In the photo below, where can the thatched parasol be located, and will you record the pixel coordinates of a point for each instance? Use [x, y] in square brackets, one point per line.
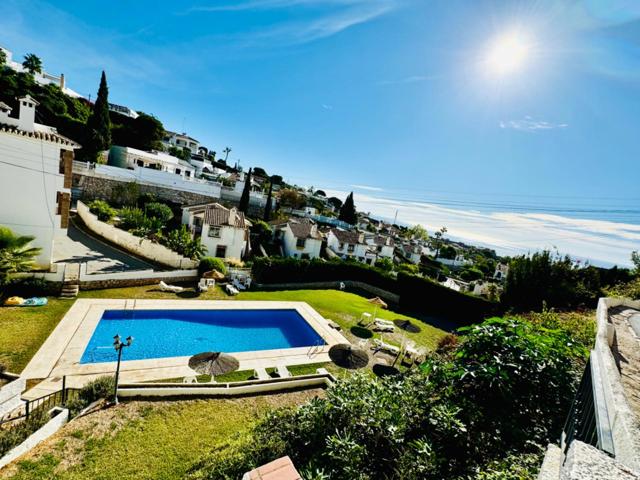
[215, 274]
[346, 356]
[213, 363]
[407, 325]
[378, 302]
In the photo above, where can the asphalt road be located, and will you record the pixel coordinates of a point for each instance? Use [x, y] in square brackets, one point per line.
[80, 247]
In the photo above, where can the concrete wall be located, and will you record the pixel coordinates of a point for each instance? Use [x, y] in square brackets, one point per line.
[142, 247]
[10, 395]
[52, 426]
[29, 182]
[136, 278]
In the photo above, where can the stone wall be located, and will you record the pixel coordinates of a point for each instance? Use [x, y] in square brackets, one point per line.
[90, 284]
[91, 188]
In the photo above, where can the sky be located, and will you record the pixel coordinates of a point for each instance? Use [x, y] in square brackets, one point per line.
[412, 104]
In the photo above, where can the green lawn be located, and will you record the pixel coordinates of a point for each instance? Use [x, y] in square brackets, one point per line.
[144, 440]
[23, 330]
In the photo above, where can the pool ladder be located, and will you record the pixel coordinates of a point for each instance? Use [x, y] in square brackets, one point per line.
[315, 349]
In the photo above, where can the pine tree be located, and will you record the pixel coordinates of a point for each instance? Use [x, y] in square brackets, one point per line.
[99, 124]
[244, 199]
[348, 211]
[267, 207]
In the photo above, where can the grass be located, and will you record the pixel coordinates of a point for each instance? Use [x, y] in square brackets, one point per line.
[24, 329]
[144, 440]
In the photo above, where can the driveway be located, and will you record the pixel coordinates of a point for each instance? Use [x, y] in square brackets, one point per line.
[80, 247]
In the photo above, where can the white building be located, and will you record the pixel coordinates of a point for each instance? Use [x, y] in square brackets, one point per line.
[127, 157]
[300, 238]
[348, 244]
[122, 110]
[502, 270]
[181, 140]
[459, 261]
[223, 231]
[43, 78]
[413, 253]
[35, 178]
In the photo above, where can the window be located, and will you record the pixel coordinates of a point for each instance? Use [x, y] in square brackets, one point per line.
[214, 232]
[300, 242]
[351, 248]
[221, 251]
[178, 171]
[341, 246]
[187, 173]
[140, 163]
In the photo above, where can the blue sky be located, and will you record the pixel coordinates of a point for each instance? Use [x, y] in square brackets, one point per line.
[390, 98]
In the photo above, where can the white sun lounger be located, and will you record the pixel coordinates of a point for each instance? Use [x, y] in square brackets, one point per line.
[383, 326]
[231, 290]
[283, 371]
[238, 285]
[170, 288]
[380, 345]
[261, 374]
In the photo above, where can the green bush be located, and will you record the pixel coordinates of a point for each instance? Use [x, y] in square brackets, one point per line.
[102, 387]
[13, 435]
[102, 210]
[29, 287]
[160, 211]
[471, 274]
[384, 264]
[478, 412]
[211, 263]
[134, 220]
[180, 241]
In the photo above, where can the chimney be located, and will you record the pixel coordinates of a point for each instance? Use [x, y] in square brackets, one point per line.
[26, 120]
[62, 81]
[232, 217]
[361, 238]
[5, 111]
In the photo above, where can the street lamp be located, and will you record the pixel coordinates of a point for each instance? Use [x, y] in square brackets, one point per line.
[118, 344]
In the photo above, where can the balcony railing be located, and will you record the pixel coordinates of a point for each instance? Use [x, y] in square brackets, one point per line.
[588, 419]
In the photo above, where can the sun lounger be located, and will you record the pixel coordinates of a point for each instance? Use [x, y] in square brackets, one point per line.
[383, 326]
[231, 290]
[261, 374]
[190, 380]
[380, 345]
[322, 371]
[333, 324]
[238, 285]
[385, 322]
[170, 288]
[202, 285]
[283, 371]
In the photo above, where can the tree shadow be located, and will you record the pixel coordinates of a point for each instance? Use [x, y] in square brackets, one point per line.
[361, 332]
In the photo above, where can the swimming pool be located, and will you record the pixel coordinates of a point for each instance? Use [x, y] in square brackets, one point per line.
[177, 333]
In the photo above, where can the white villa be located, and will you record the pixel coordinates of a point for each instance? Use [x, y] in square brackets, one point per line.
[413, 253]
[381, 245]
[502, 270]
[459, 261]
[223, 231]
[348, 244]
[35, 178]
[300, 238]
[181, 140]
[127, 157]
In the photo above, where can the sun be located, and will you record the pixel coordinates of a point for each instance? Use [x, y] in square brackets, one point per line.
[508, 54]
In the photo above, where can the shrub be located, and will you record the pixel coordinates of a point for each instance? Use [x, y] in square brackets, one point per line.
[14, 435]
[102, 210]
[29, 287]
[471, 274]
[135, 221]
[102, 387]
[384, 264]
[211, 263]
[160, 211]
[180, 241]
[628, 290]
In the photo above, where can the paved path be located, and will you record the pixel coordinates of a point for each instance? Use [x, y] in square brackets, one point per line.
[80, 247]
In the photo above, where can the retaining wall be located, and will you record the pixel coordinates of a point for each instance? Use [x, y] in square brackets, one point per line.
[60, 418]
[11, 392]
[349, 285]
[139, 246]
[133, 278]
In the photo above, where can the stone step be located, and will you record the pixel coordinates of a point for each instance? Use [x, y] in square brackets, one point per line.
[550, 469]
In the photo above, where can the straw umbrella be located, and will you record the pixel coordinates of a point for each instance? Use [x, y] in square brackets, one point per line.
[378, 302]
[346, 355]
[215, 274]
[213, 363]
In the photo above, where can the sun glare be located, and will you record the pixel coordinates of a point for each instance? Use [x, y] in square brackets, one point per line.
[507, 54]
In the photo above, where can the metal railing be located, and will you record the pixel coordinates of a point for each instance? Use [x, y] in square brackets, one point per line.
[58, 398]
[588, 419]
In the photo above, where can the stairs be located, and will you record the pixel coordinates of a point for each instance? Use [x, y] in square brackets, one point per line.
[71, 281]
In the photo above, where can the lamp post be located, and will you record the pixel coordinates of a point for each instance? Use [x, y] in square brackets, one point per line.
[118, 344]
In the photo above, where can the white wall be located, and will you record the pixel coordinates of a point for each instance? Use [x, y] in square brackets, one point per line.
[311, 246]
[232, 238]
[29, 181]
[333, 243]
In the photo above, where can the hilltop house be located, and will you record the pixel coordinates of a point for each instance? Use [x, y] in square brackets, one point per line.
[35, 178]
[348, 244]
[502, 270]
[223, 231]
[181, 140]
[413, 253]
[127, 157]
[381, 246]
[300, 238]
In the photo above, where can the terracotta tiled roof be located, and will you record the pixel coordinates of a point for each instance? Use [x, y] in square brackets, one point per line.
[219, 216]
[348, 237]
[52, 136]
[382, 240]
[304, 228]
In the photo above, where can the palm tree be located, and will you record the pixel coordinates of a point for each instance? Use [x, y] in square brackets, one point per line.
[226, 152]
[15, 253]
[32, 63]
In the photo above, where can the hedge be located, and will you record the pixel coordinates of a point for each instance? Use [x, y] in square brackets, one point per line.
[417, 294]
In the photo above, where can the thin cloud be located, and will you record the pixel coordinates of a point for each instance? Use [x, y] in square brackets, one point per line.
[528, 124]
[327, 107]
[269, 4]
[368, 187]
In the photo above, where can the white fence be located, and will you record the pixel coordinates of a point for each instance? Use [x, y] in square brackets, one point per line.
[148, 176]
[136, 245]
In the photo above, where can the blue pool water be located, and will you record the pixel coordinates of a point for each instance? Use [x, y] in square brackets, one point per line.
[177, 333]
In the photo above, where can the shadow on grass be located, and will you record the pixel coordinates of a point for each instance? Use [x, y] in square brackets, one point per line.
[384, 370]
[188, 294]
[361, 332]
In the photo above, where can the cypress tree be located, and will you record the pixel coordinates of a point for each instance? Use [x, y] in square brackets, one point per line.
[348, 211]
[99, 124]
[244, 199]
[267, 207]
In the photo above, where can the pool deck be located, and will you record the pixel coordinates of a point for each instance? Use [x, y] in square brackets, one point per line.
[60, 354]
